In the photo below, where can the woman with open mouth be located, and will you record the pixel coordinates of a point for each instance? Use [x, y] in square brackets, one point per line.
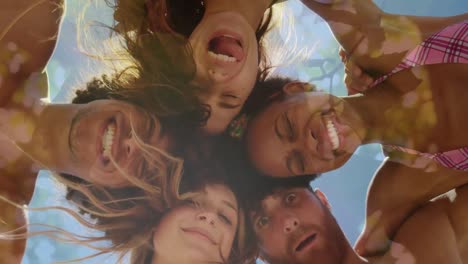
[217, 44]
[105, 146]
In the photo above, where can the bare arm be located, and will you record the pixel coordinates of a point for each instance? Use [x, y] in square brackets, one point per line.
[435, 233]
[28, 31]
[396, 192]
[375, 40]
[426, 237]
[27, 40]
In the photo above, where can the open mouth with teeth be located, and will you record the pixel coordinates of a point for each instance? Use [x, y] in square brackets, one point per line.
[306, 242]
[108, 141]
[226, 48]
[332, 132]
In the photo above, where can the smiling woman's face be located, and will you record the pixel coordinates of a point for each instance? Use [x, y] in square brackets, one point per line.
[103, 142]
[225, 51]
[305, 133]
[199, 231]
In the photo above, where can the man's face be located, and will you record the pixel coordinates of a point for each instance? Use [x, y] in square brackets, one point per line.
[295, 226]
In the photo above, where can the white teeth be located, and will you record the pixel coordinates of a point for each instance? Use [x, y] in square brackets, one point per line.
[107, 140]
[333, 134]
[222, 57]
[229, 36]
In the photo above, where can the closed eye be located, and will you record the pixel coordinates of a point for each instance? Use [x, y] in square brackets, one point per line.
[225, 219]
[230, 101]
[289, 127]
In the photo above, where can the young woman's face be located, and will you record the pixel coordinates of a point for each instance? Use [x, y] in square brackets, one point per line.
[225, 51]
[200, 231]
[305, 133]
[103, 144]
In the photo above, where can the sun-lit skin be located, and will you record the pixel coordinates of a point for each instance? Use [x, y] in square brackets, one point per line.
[73, 143]
[16, 67]
[290, 137]
[90, 141]
[401, 111]
[296, 226]
[227, 84]
[199, 231]
[377, 41]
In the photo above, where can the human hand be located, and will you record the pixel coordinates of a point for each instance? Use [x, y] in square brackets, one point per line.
[356, 80]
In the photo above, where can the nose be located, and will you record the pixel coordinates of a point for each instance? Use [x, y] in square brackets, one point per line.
[309, 144]
[207, 217]
[217, 76]
[128, 146]
[291, 223]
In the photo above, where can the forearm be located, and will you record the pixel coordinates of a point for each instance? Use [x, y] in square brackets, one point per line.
[396, 184]
[375, 40]
[395, 193]
[349, 20]
[11, 251]
[31, 27]
[28, 31]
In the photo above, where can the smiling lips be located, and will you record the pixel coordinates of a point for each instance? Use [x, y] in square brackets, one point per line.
[108, 140]
[332, 133]
[200, 233]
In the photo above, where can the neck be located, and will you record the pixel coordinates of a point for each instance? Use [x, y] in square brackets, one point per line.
[252, 10]
[48, 142]
[368, 113]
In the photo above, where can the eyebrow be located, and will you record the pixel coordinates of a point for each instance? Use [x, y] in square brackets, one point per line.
[277, 132]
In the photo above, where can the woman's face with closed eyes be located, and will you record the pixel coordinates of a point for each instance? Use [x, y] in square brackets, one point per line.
[304, 133]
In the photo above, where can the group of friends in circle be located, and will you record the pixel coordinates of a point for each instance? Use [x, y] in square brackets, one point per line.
[194, 152]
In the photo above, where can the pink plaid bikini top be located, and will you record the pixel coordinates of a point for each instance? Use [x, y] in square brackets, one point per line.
[447, 46]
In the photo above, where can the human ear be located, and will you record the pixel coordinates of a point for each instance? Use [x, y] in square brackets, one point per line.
[298, 87]
[322, 198]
